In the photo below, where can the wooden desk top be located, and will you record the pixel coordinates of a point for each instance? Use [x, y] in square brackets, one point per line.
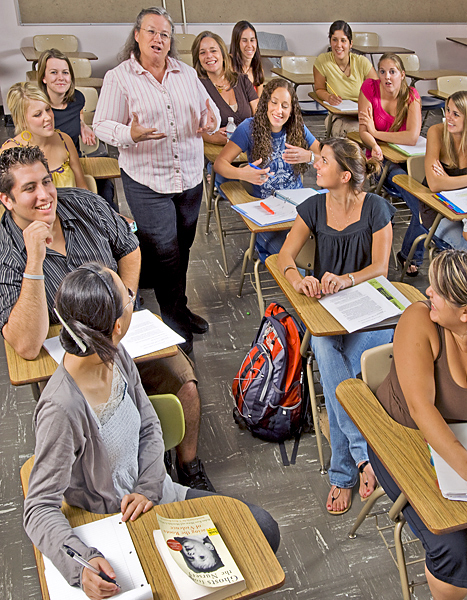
[296, 78]
[212, 151]
[333, 109]
[317, 319]
[237, 194]
[101, 167]
[33, 55]
[433, 74]
[233, 519]
[426, 196]
[23, 371]
[462, 41]
[405, 455]
[438, 94]
[382, 49]
[390, 153]
[271, 53]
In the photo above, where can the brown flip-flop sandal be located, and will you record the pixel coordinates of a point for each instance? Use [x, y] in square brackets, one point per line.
[333, 498]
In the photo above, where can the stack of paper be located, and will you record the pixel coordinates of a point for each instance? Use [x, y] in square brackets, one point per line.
[418, 150]
[451, 484]
[146, 334]
[345, 106]
[111, 537]
[456, 200]
[370, 303]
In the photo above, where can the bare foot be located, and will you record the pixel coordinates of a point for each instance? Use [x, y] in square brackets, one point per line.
[339, 500]
[368, 481]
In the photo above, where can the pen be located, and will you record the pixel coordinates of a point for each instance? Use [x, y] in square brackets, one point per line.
[266, 208]
[254, 167]
[76, 556]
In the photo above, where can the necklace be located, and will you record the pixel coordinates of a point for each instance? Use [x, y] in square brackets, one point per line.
[222, 87]
[349, 216]
[345, 68]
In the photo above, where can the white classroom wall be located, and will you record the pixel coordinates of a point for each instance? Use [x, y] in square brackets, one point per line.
[428, 41]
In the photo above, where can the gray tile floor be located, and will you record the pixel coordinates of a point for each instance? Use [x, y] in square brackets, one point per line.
[319, 560]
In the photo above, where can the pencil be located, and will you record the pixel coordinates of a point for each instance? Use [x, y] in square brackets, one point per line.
[332, 91]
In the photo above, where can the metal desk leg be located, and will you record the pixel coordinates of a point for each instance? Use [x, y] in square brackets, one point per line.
[209, 196]
[246, 257]
[305, 350]
[259, 291]
[217, 214]
[36, 392]
[330, 124]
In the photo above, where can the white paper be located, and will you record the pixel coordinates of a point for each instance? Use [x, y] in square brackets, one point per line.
[283, 211]
[146, 334]
[111, 537]
[345, 106]
[451, 484]
[418, 150]
[457, 197]
[299, 195]
[362, 306]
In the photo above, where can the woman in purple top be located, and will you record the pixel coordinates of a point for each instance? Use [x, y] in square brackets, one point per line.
[390, 111]
[233, 93]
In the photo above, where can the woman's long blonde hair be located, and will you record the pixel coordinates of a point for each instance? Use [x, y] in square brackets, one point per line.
[18, 98]
[452, 155]
[404, 95]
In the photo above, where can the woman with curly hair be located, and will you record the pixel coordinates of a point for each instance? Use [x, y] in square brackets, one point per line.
[246, 57]
[279, 146]
[233, 93]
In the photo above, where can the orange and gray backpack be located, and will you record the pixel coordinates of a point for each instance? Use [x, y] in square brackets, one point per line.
[268, 391]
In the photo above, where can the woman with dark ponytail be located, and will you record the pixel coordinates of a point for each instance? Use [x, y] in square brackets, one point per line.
[353, 233]
[99, 442]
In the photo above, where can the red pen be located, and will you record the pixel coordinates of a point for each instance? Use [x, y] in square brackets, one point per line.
[266, 208]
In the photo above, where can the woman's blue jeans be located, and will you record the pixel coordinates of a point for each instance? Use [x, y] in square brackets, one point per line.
[414, 229]
[338, 359]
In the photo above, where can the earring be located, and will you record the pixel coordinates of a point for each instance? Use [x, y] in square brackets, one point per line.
[26, 136]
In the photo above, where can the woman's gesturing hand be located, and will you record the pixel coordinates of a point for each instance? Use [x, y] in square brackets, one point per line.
[143, 134]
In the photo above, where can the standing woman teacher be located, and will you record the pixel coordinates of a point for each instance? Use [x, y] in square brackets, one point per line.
[155, 110]
[339, 75]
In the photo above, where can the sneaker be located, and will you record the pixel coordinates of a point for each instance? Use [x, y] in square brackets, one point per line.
[194, 476]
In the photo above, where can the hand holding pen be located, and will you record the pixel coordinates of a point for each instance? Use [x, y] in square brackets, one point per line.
[98, 578]
[254, 174]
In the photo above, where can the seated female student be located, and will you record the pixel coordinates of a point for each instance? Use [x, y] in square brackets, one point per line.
[277, 141]
[245, 53]
[353, 233]
[34, 125]
[56, 78]
[446, 167]
[390, 111]
[98, 440]
[426, 389]
[339, 75]
[233, 93]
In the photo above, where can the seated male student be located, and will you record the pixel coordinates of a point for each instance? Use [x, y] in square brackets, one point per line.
[41, 240]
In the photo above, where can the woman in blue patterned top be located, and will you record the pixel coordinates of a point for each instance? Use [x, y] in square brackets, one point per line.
[276, 142]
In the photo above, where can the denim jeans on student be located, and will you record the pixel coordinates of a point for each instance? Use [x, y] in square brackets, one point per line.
[450, 232]
[414, 229]
[166, 230]
[338, 359]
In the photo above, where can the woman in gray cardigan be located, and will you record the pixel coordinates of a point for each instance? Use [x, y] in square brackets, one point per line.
[98, 439]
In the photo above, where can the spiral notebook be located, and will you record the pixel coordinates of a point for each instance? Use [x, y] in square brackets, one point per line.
[111, 537]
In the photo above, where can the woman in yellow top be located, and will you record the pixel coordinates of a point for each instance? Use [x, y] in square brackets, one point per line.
[34, 125]
[339, 75]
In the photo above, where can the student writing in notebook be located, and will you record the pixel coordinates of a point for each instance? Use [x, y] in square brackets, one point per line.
[339, 75]
[99, 442]
[425, 389]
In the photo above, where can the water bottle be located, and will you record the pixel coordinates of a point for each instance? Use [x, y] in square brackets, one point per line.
[231, 127]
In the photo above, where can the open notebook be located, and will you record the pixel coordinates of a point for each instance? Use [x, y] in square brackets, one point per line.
[111, 537]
